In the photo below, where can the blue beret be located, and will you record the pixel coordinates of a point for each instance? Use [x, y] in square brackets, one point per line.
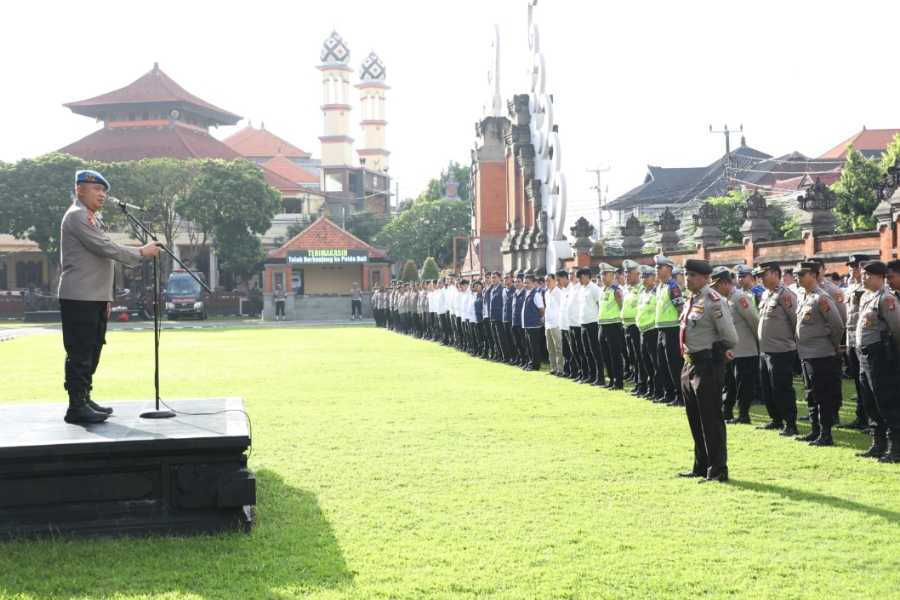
[89, 176]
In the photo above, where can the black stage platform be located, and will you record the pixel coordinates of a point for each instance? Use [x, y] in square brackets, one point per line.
[129, 475]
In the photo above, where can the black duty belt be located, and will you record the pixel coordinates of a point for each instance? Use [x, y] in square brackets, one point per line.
[698, 357]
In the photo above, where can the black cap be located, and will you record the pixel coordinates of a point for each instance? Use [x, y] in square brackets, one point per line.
[766, 266]
[875, 267]
[695, 265]
[810, 266]
[856, 259]
[894, 265]
[721, 274]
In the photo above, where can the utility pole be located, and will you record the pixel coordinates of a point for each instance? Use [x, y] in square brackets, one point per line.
[598, 172]
[727, 133]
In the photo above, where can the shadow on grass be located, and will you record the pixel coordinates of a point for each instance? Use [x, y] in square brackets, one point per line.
[847, 438]
[291, 550]
[891, 516]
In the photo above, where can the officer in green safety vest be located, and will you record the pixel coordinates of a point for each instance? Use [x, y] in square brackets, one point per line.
[669, 300]
[649, 381]
[612, 334]
[631, 293]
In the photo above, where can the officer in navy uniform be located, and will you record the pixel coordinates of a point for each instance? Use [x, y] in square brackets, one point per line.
[495, 308]
[877, 337]
[508, 297]
[706, 334]
[87, 258]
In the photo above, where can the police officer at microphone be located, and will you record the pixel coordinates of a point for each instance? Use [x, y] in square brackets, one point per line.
[87, 258]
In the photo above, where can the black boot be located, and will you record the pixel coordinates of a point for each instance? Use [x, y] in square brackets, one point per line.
[815, 428]
[892, 454]
[824, 438]
[96, 407]
[80, 412]
[879, 444]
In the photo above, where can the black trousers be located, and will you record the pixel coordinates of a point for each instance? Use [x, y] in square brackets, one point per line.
[745, 375]
[593, 357]
[578, 353]
[84, 334]
[536, 346]
[612, 343]
[651, 378]
[566, 335]
[854, 372]
[822, 380]
[633, 351]
[880, 379]
[356, 308]
[670, 363]
[701, 387]
[279, 308]
[776, 374]
[521, 344]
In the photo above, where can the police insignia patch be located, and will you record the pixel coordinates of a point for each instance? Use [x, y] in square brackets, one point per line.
[744, 304]
[823, 305]
[890, 303]
[787, 302]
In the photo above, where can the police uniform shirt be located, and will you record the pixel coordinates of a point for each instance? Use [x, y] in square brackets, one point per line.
[778, 321]
[88, 256]
[819, 325]
[837, 294]
[589, 303]
[706, 320]
[746, 323]
[854, 293]
[878, 313]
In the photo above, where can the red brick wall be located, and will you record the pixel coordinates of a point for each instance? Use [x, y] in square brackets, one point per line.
[490, 199]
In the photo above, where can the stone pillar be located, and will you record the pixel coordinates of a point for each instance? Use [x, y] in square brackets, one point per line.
[633, 236]
[668, 226]
[817, 204]
[756, 225]
[213, 269]
[707, 222]
[884, 216]
[582, 232]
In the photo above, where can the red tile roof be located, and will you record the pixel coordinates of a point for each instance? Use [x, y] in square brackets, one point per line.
[153, 87]
[325, 234]
[112, 144]
[260, 143]
[291, 170]
[866, 141]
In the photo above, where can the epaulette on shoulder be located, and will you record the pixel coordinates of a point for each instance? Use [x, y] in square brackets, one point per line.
[714, 295]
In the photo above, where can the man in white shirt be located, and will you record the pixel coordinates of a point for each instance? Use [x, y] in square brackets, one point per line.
[578, 370]
[553, 299]
[589, 308]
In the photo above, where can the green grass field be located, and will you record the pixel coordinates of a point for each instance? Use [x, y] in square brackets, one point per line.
[394, 468]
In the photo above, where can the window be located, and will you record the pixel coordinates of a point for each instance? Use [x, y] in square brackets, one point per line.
[374, 278]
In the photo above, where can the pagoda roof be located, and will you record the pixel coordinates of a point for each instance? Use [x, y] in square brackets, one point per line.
[154, 87]
[324, 234]
[291, 170]
[261, 143]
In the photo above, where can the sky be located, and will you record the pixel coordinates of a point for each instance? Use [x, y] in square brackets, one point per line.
[634, 83]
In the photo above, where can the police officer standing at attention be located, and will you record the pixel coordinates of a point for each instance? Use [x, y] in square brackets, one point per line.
[630, 300]
[707, 332]
[778, 350]
[854, 293]
[87, 258]
[612, 336]
[877, 336]
[744, 365]
[669, 300]
[819, 333]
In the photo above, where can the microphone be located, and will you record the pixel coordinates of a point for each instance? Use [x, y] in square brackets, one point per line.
[122, 204]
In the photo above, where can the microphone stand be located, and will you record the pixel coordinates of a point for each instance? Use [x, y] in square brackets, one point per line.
[144, 233]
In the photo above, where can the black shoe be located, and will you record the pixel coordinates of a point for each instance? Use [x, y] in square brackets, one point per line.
[721, 476]
[858, 424]
[892, 454]
[692, 473]
[823, 440]
[618, 386]
[728, 417]
[809, 437]
[80, 413]
[788, 431]
[770, 425]
[741, 420]
[96, 407]
[878, 447]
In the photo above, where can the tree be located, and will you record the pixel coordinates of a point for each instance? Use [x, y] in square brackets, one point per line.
[410, 272]
[731, 209]
[430, 269]
[856, 193]
[426, 229]
[365, 225]
[436, 189]
[34, 195]
[891, 154]
[231, 204]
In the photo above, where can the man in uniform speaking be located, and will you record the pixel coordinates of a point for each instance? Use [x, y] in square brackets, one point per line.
[86, 290]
